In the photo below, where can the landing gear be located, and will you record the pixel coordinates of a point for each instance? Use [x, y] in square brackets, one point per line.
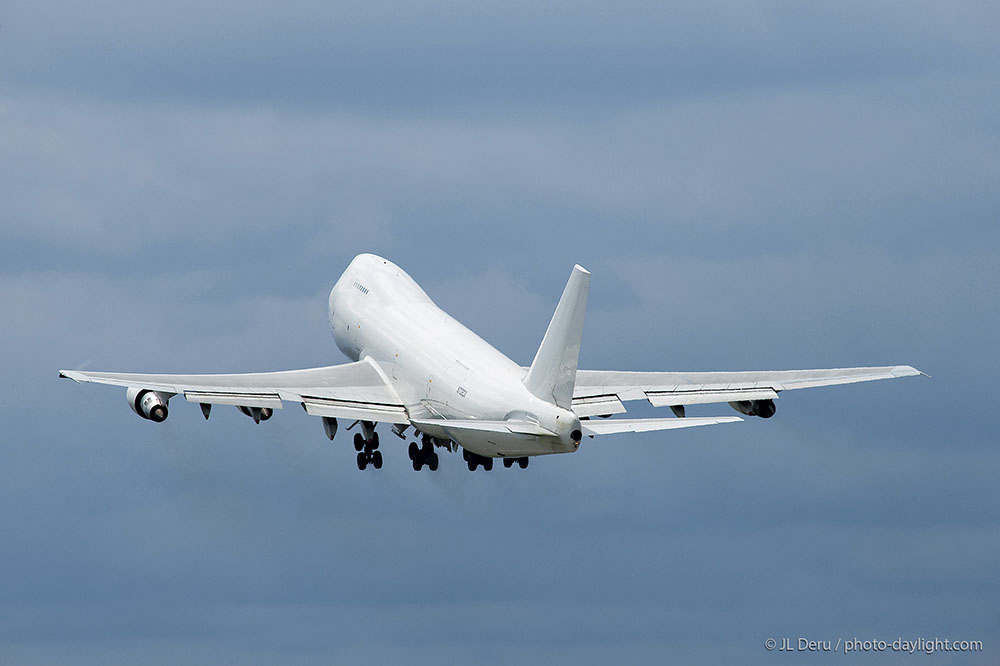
[474, 460]
[367, 457]
[423, 455]
[522, 462]
[366, 444]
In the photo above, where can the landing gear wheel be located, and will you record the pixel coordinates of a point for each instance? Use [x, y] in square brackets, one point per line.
[523, 462]
[359, 441]
[374, 442]
[488, 465]
[417, 464]
[362, 461]
[413, 451]
[473, 465]
[433, 463]
[508, 462]
[377, 460]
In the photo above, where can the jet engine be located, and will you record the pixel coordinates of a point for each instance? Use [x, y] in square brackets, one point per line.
[148, 404]
[258, 414]
[765, 409]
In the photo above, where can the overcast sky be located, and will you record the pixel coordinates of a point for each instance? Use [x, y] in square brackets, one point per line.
[754, 185]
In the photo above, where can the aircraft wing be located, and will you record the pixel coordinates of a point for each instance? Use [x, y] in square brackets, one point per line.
[603, 391]
[351, 391]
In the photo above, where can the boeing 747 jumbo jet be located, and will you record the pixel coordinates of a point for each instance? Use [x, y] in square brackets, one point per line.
[416, 367]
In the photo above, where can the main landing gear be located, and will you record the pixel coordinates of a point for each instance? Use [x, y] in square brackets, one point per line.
[366, 444]
[522, 462]
[423, 455]
[474, 461]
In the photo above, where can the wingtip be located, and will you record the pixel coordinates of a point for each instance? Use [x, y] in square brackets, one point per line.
[580, 268]
[68, 374]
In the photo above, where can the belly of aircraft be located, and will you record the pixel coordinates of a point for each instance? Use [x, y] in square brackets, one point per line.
[496, 444]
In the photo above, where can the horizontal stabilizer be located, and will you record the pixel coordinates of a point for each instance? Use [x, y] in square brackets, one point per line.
[613, 426]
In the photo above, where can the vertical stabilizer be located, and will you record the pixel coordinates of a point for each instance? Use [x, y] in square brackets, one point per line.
[553, 372]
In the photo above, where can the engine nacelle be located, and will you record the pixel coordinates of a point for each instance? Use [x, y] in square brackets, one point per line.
[765, 409]
[258, 414]
[148, 404]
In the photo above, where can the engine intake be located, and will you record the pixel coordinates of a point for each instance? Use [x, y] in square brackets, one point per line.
[765, 409]
[151, 405]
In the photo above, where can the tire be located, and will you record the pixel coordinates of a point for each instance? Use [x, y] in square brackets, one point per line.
[377, 459]
[433, 464]
[418, 465]
[359, 441]
[488, 465]
[374, 440]
[523, 462]
[362, 461]
[472, 465]
[413, 451]
[508, 462]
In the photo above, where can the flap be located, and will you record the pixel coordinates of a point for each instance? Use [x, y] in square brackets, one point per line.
[272, 400]
[694, 397]
[598, 405]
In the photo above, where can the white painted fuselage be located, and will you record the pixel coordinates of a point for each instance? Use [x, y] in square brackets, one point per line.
[439, 368]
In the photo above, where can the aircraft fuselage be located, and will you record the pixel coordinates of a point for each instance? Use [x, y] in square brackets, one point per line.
[438, 367]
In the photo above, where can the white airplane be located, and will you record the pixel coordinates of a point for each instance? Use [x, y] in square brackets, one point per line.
[415, 366]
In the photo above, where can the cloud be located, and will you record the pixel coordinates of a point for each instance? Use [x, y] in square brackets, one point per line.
[393, 59]
[752, 186]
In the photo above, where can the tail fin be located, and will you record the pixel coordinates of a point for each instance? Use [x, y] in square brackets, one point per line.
[552, 375]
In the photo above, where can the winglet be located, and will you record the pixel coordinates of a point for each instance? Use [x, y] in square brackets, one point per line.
[552, 374]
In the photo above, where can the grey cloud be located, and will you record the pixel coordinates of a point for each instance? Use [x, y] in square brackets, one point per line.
[389, 57]
[752, 186]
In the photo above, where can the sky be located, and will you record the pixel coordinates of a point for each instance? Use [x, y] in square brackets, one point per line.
[753, 185]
